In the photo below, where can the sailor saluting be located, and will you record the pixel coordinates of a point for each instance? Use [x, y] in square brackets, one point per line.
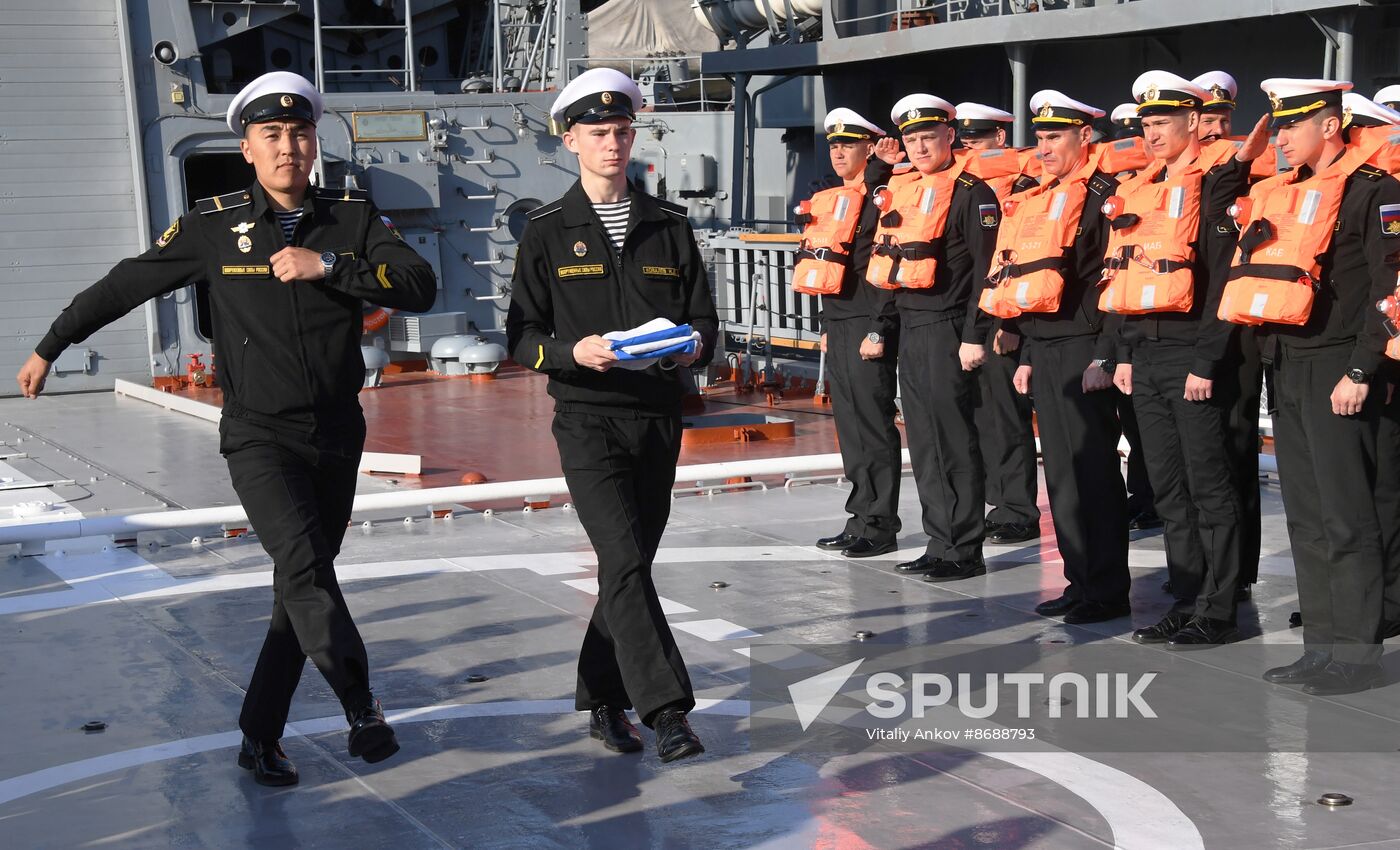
[287, 267]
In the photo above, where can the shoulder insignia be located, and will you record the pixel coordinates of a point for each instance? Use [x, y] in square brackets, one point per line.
[674, 209]
[342, 194]
[218, 203]
[541, 212]
[1370, 172]
[967, 180]
[1100, 185]
[169, 235]
[1390, 219]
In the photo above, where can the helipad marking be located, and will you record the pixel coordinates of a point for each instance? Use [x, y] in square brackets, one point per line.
[1140, 816]
[668, 606]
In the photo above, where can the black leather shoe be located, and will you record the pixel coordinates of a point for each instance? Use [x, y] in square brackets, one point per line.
[1167, 586]
[1341, 678]
[611, 726]
[674, 738]
[921, 564]
[1204, 633]
[1055, 607]
[1096, 612]
[1145, 521]
[864, 547]
[1300, 671]
[1162, 631]
[269, 764]
[840, 541]
[1390, 630]
[370, 737]
[956, 570]
[1014, 532]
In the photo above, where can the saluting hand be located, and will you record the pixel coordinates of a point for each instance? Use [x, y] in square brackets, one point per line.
[594, 352]
[291, 264]
[1256, 142]
[888, 149]
[972, 355]
[32, 375]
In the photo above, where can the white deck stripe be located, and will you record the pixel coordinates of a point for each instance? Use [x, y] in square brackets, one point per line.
[1140, 816]
[668, 606]
[714, 630]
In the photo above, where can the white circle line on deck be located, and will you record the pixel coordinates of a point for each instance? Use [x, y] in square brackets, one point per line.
[1140, 816]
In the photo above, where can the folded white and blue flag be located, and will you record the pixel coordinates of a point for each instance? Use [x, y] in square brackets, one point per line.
[645, 344]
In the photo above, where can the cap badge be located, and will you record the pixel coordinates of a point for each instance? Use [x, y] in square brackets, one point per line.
[245, 244]
[1218, 92]
[1346, 117]
[607, 98]
[839, 128]
[286, 101]
[1047, 111]
[967, 122]
[243, 227]
[1275, 102]
[580, 249]
[1151, 93]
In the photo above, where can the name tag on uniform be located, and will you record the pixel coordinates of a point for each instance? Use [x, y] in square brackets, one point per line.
[591, 270]
[247, 271]
[661, 271]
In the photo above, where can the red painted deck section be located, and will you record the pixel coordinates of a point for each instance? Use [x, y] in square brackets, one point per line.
[501, 428]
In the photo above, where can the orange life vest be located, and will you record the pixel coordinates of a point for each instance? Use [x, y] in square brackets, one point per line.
[1390, 308]
[1037, 227]
[1128, 154]
[829, 223]
[915, 212]
[1286, 225]
[1148, 266]
[1386, 140]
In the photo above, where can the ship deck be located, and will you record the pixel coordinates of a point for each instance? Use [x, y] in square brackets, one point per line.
[473, 623]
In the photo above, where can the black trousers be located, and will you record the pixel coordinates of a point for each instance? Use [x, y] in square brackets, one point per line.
[1388, 501]
[1006, 440]
[620, 470]
[1079, 446]
[862, 399]
[1188, 461]
[1140, 496]
[298, 489]
[1241, 377]
[1328, 468]
[938, 399]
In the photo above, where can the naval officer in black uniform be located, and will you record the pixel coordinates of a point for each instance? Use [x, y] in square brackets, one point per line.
[860, 336]
[605, 258]
[288, 268]
[1329, 427]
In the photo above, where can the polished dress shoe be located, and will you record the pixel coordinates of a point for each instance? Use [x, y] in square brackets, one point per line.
[1014, 532]
[839, 542]
[921, 564]
[1300, 671]
[370, 737]
[1055, 607]
[1169, 625]
[674, 738]
[956, 570]
[611, 726]
[1204, 633]
[269, 764]
[864, 547]
[1145, 521]
[1096, 612]
[1338, 677]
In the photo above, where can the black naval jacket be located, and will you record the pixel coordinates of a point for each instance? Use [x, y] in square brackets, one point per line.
[964, 257]
[1200, 327]
[1358, 270]
[283, 350]
[1079, 313]
[858, 299]
[570, 283]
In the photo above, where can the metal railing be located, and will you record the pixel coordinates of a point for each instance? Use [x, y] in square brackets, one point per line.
[685, 89]
[907, 14]
[751, 279]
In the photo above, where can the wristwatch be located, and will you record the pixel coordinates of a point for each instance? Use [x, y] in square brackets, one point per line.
[1105, 364]
[874, 338]
[328, 262]
[1358, 376]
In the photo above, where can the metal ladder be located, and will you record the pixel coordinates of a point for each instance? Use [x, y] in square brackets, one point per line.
[526, 43]
[409, 57]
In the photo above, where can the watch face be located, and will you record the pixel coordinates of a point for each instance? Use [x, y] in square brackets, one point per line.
[328, 258]
[873, 337]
